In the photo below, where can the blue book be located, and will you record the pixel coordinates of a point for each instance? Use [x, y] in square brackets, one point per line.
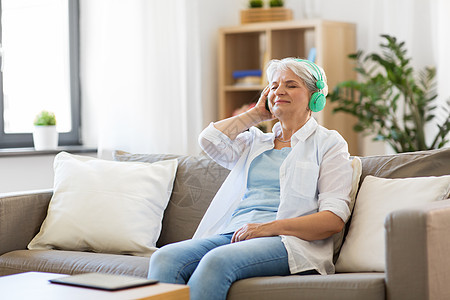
[245, 73]
[312, 54]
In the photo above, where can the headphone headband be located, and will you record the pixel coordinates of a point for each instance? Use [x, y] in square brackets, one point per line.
[319, 83]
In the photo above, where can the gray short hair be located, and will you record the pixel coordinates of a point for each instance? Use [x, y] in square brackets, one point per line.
[300, 68]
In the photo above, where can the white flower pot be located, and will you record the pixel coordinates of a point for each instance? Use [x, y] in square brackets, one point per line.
[45, 137]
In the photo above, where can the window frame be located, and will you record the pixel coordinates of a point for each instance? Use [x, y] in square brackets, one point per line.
[22, 140]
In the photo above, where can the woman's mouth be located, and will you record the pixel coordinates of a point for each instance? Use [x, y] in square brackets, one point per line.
[280, 101]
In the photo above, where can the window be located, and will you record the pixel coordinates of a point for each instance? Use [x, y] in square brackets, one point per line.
[39, 69]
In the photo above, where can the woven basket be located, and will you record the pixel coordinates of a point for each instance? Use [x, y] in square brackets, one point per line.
[253, 15]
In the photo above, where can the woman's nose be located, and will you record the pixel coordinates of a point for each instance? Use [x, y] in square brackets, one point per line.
[279, 90]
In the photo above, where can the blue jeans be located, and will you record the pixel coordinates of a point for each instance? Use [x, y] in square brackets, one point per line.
[209, 266]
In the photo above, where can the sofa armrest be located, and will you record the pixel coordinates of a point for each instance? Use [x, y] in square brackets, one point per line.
[417, 252]
[21, 216]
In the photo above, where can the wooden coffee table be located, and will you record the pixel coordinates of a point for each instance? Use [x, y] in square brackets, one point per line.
[35, 285]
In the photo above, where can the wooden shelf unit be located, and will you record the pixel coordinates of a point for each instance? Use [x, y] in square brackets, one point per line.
[251, 46]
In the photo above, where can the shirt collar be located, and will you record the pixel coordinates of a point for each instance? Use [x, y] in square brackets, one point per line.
[300, 135]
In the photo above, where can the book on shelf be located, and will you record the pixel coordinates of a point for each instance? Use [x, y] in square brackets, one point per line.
[247, 77]
[244, 73]
[248, 80]
[312, 54]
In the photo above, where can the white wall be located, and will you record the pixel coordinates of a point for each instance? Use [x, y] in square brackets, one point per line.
[213, 16]
[20, 173]
[28, 172]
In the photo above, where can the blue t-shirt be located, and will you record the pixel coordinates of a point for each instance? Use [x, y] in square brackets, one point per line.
[262, 197]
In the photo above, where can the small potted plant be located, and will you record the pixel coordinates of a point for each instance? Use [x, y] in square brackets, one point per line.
[256, 3]
[45, 136]
[256, 12]
[276, 3]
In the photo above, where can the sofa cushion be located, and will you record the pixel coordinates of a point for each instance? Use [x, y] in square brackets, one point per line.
[367, 286]
[405, 165]
[364, 247]
[106, 206]
[197, 180]
[72, 262]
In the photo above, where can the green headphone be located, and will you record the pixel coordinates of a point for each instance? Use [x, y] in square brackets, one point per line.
[318, 99]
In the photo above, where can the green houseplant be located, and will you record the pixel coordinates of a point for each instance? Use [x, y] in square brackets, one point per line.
[392, 101]
[45, 136]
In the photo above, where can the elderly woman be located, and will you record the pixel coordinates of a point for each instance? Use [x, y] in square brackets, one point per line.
[286, 195]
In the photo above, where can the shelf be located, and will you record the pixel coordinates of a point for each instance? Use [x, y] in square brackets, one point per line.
[251, 46]
[240, 88]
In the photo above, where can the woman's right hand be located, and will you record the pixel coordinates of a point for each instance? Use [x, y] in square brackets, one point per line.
[233, 126]
[260, 106]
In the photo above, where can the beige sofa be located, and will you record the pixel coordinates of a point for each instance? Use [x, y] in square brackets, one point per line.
[417, 250]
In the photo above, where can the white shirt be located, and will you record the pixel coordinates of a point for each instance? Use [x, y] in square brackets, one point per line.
[315, 176]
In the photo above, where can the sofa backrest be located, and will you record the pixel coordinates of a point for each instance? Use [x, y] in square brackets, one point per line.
[198, 178]
[410, 164]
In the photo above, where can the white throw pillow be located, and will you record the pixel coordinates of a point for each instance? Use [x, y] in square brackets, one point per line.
[356, 176]
[106, 206]
[364, 247]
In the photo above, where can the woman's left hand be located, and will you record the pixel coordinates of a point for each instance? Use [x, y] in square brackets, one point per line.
[251, 231]
[316, 226]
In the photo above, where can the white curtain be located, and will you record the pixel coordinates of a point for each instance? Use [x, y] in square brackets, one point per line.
[142, 75]
[441, 46]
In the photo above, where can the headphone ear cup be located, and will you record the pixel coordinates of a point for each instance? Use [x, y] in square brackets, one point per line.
[317, 102]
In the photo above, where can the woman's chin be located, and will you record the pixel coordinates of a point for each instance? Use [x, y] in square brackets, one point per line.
[279, 111]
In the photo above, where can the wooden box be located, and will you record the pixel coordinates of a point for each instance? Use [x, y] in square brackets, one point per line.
[253, 15]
